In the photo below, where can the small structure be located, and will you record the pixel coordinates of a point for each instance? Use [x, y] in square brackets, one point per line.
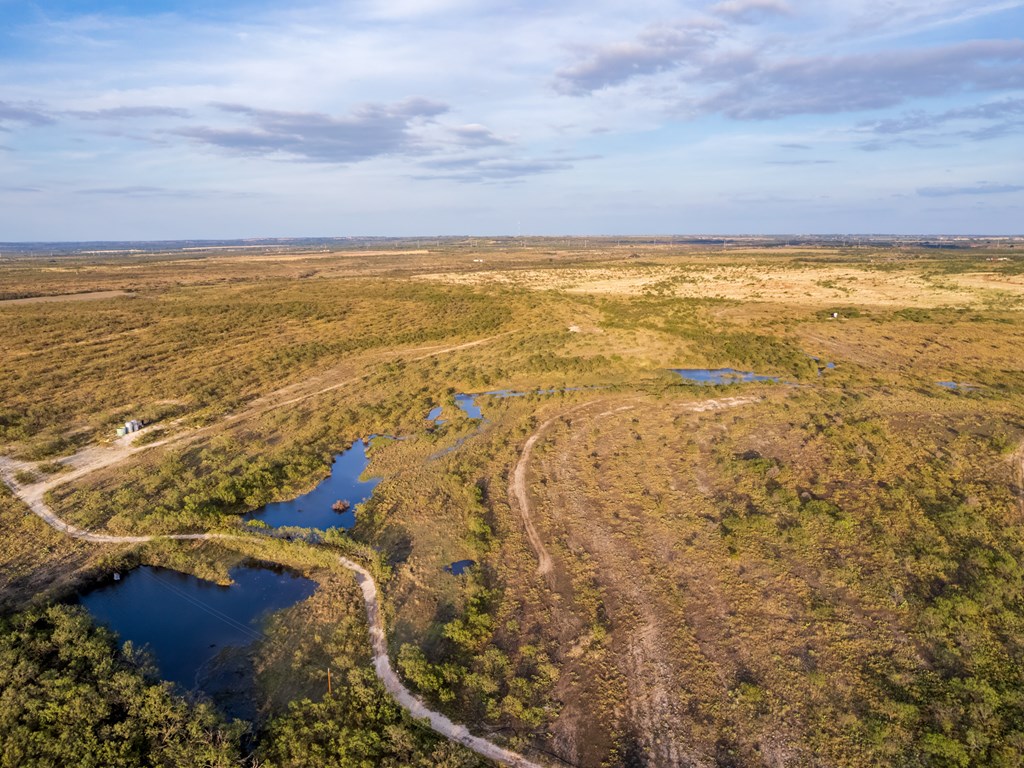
[130, 426]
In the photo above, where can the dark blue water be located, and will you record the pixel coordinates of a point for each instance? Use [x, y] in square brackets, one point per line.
[435, 415]
[720, 375]
[186, 621]
[314, 509]
[459, 567]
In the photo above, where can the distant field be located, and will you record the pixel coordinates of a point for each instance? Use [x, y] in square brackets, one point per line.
[809, 284]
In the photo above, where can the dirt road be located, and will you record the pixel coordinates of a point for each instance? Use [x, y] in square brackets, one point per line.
[33, 497]
[649, 646]
[88, 296]
[401, 694]
[96, 457]
[100, 456]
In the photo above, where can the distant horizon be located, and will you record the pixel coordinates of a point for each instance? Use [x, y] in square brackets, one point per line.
[260, 241]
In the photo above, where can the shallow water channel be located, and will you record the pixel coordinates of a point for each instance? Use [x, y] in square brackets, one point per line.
[721, 375]
[190, 624]
[467, 402]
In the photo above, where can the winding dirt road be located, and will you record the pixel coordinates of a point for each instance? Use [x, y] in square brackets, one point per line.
[401, 694]
[32, 495]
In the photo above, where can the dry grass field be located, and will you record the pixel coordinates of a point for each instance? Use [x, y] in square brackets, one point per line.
[822, 570]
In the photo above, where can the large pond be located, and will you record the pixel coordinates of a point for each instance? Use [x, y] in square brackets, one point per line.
[721, 375]
[316, 509]
[189, 623]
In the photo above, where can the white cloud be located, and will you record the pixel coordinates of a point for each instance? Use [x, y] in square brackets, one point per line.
[545, 95]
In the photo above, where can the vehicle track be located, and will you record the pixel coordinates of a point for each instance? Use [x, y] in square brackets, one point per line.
[1018, 472]
[517, 489]
[654, 696]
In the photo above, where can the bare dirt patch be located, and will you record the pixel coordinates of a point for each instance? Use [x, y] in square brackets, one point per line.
[818, 286]
[88, 296]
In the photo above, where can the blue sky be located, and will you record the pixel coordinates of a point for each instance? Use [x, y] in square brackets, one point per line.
[188, 119]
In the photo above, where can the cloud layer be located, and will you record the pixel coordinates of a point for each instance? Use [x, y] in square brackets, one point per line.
[701, 115]
[371, 130]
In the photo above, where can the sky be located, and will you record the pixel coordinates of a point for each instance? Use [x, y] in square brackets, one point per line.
[172, 119]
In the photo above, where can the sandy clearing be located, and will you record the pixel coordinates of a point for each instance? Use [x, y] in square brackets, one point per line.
[819, 286]
[88, 296]
[1013, 284]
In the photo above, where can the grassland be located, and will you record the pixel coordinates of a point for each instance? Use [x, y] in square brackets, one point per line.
[827, 572]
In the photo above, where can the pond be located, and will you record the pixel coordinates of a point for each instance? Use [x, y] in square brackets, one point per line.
[721, 375]
[459, 567]
[467, 404]
[316, 508]
[190, 624]
[959, 386]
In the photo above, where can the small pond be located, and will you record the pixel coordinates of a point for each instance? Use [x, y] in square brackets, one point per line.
[435, 415]
[959, 386]
[459, 567]
[467, 404]
[188, 622]
[316, 508]
[721, 375]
